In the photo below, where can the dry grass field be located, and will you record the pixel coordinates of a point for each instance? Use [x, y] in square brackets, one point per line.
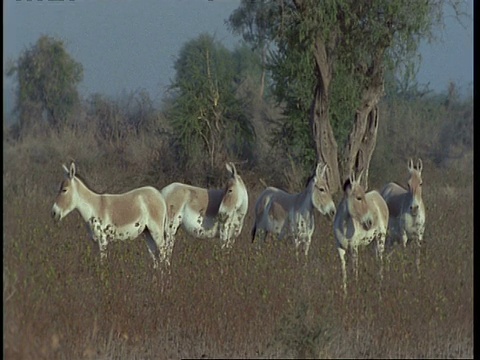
[256, 301]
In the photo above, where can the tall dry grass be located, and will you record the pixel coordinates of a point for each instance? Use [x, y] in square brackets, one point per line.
[256, 301]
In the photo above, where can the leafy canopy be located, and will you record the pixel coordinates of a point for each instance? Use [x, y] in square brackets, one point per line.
[207, 118]
[360, 38]
[47, 77]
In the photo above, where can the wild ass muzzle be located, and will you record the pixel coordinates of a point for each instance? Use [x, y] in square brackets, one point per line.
[361, 218]
[407, 211]
[111, 217]
[292, 215]
[207, 213]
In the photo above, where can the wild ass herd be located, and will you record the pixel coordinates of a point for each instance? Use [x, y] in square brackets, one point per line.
[360, 219]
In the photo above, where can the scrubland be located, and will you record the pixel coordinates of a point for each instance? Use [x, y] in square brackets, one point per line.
[256, 301]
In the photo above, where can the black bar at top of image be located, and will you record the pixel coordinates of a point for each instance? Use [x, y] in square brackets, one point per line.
[46, 0]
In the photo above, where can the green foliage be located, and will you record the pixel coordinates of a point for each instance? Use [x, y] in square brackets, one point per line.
[207, 118]
[345, 99]
[47, 79]
[247, 64]
[294, 83]
[293, 72]
[361, 41]
[253, 20]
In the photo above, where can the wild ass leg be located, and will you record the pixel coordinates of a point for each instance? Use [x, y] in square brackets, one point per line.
[297, 246]
[170, 238]
[169, 243]
[354, 252]
[152, 248]
[400, 230]
[261, 234]
[297, 235]
[404, 239]
[231, 231]
[307, 243]
[102, 245]
[234, 234]
[308, 238]
[234, 230]
[157, 249]
[225, 229]
[172, 224]
[419, 240]
[224, 233]
[341, 253]
[417, 257]
[264, 236]
[380, 248]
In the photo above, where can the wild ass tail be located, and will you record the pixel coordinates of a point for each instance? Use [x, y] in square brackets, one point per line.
[254, 232]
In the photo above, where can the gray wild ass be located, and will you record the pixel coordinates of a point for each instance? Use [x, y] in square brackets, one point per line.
[112, 217]
[407, 211]
[207, 213]
[361, 218]
[283, 214]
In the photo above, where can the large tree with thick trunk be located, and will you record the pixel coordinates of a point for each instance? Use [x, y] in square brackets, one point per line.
[338, 52]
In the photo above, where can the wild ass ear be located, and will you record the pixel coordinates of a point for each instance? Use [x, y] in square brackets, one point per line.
[351, 177]
[231, 167]
[65, 168]
[419, 165]
[410, 164]
[359, 178]
[72, 170]
[321, 170]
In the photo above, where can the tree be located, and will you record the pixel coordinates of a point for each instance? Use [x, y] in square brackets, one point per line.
[248, 69]
[207, 118]
[253, 21]
[47, 80]
[342, 49]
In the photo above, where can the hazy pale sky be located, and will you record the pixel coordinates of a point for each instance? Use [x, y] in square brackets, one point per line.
[132, 45]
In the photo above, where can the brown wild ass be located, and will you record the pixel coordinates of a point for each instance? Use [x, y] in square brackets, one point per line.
[361, 218]
[112, 217]
[278, 212]
[407, 211]
[207, 213]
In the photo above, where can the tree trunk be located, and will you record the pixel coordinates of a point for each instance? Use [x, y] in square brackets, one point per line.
[363, 137]
[325, 143]
[361, 143]
[322, 132]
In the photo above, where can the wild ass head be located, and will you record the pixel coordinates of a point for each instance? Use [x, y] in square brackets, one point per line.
[65, 201]
[356, 201]
[415, 186]
[235, 193]
[321, 196]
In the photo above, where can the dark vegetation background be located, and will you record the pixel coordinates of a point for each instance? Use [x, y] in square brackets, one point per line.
[256, 301]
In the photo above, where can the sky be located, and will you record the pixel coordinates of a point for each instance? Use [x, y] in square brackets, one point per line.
[127, 46]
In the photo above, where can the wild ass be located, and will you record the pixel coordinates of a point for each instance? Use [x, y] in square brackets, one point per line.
[407, 212]
[278, 212]
[112, 217]
[207, 213]
[361, 218]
